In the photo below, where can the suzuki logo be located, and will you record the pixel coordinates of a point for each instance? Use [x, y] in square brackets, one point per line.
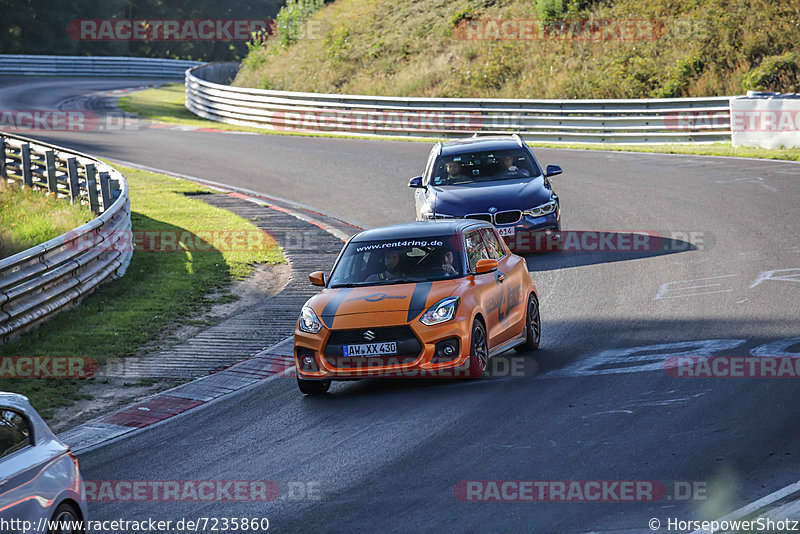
[492, 210]
[369, 335]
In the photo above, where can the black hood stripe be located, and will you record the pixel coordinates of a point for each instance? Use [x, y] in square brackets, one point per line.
[329, 311]
[418, 300]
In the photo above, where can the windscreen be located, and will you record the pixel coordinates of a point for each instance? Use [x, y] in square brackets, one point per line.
[475, 167]
[366, 263]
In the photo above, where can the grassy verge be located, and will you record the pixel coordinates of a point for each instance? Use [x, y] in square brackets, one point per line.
[159, 289]
[714, 149]
[29, 218]
[166, 104]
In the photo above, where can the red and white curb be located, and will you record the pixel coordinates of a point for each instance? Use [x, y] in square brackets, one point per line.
[275, 361]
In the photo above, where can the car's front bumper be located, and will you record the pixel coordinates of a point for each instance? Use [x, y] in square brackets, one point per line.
[427, 363]
[535, 234]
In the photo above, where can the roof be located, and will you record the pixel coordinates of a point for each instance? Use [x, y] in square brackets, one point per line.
[471, 144]
[418, 229]
[14, 400]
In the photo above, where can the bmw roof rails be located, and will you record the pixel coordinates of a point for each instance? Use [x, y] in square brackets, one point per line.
[519, 139]
[438, 148]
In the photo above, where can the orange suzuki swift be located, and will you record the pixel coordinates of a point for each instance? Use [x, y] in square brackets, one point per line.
[430, 298]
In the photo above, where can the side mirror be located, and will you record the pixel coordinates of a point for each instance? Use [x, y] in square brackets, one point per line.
[552, 170]
[415, 182]
[485, 266]
[317, 278]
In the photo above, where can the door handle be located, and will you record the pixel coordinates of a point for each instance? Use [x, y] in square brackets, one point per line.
[500, 276]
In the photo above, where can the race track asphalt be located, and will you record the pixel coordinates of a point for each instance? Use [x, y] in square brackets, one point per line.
[594, 403]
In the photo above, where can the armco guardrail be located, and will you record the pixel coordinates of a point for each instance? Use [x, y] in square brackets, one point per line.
[42, 281]
[669, 120]
[138, 67]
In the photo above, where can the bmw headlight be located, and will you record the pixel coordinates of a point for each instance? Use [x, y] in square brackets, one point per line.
[544, 209]
[309, 322]
[441, 312]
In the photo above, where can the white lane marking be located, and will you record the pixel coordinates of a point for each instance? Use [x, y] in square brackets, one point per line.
[649, 357]
[756, 180]
[629, 412]
[777, 348]
[769, 275]
[754, 506]
[666, 402]
[665, 288]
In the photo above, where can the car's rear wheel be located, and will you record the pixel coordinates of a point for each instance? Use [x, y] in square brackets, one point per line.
[313, 387]
[479, 350]
[65, 520]
[533, 326]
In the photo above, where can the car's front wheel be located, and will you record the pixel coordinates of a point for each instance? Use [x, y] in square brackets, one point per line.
[313, 387]
[65, 520]
[533, 326]
[479, 350]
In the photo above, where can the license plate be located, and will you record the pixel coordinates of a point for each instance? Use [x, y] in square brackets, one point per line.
[370, 349]
[508, 231]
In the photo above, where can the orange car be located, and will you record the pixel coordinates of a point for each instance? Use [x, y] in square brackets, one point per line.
[431, 298]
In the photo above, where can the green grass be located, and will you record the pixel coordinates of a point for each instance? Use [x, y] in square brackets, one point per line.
[166, 104]
[159, 288]
[29, 218]
[713, 149]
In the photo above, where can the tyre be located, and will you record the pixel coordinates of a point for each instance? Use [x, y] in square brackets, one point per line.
[313, 387]
[479, 350]
[65, 518]
[533, 326]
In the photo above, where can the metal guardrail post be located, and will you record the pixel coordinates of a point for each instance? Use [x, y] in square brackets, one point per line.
[73, 176]
[3, 171]
[91, 187]
[27, 173]
[52, 177]
[105, 190]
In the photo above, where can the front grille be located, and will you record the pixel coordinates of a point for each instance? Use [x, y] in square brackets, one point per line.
[408, 347]
[385, 334]
[480, 216]
[507, 217]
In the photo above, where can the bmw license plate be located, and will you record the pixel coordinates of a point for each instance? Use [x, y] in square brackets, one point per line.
[506, 232]
[370, 349]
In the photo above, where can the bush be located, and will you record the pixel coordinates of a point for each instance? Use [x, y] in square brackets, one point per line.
[292, 18]
[776, 73]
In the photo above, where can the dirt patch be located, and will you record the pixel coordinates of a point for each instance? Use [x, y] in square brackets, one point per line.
[106, 394]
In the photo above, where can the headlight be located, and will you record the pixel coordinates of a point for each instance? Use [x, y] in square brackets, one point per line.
[309, 322]
[544, 209]
[441, 312]
[438, 215]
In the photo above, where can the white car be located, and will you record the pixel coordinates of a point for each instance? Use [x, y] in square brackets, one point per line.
[39, 477]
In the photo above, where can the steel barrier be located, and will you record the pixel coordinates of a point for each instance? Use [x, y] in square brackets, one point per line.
[110, 66]
[40, 282]
[667, 120]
